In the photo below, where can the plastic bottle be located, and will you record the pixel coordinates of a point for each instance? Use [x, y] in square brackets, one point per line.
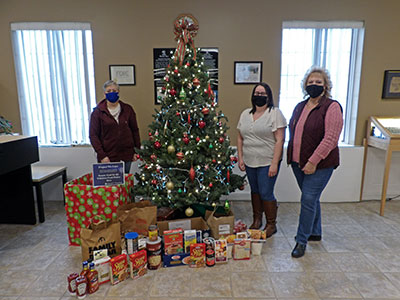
[93, 279]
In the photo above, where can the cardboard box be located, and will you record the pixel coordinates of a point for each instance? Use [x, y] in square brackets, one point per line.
[174, 260]
[197, 223]
[83, 201]
[221, 226]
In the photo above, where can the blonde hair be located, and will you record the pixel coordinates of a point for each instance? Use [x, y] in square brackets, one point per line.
[325, 75]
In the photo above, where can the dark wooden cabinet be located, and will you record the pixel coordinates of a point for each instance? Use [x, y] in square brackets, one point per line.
[17, 203]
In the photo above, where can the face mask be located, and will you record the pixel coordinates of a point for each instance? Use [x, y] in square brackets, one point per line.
[314, 90]
[112, 97]
[260, 100]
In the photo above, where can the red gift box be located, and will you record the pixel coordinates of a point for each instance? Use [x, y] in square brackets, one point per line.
[83, 202]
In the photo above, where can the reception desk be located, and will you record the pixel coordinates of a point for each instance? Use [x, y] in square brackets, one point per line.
[17, 203]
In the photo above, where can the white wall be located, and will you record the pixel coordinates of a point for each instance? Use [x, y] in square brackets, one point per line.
[344, 185]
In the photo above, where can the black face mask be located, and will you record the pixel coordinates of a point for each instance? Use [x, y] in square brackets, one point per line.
[260, 100]
[314, 90]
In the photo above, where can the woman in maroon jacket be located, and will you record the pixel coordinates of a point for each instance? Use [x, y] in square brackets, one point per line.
[113, 131]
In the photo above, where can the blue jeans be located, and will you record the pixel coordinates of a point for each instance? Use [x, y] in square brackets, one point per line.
[261, 183]
[127, 166]
[311, 187]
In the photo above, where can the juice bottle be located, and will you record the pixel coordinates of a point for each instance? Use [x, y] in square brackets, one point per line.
[93, 279]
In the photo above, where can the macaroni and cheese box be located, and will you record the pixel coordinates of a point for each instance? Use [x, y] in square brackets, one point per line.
[241, 249]
[190, 237]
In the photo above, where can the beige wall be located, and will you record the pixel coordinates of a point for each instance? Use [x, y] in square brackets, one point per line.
[126, 31]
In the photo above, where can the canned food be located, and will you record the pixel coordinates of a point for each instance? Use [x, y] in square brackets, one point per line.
[131, 239]
[153, 254]
[153, 233]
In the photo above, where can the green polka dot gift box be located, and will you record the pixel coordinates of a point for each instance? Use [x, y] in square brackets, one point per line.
[83, 202]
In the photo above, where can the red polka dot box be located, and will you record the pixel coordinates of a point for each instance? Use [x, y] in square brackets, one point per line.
[83, 201]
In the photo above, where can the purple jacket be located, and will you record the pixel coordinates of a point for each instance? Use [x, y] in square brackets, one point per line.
[109, 138]
[313, 133]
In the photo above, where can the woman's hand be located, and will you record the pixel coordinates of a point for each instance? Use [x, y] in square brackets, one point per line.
[241, 164]
[309, 168]
[273, 170]
[105, 160]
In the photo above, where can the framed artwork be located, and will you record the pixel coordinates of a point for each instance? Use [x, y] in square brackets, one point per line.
[391, 85]
[247, 72]
[123, 74]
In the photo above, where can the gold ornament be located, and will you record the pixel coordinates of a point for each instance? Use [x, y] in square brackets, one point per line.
[171, 149]
[170, 185]
[207, 137]
[189, 212]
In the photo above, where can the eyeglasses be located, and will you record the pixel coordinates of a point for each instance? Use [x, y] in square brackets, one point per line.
[260, 94]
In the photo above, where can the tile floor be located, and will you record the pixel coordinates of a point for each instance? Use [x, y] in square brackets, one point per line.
[358, 258]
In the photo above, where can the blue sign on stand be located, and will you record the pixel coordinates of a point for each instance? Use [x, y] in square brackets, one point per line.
[108, 174]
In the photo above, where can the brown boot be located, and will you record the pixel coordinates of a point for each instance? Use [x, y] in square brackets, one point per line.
[271, 210]
[256, 203]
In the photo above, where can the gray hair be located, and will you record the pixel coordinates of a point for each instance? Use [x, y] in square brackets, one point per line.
[327, 80]
[108, 83]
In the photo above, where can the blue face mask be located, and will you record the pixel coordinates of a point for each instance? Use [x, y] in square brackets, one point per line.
[112, 97]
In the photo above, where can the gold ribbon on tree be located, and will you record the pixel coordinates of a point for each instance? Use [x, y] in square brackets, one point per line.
[185, 29]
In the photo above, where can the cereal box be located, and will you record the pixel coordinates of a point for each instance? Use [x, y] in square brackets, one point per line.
[119, 268]
[197, 255]
[173, 241]
[138, 265]
[221, 255]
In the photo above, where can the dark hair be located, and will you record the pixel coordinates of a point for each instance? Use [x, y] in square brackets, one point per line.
[270, 98]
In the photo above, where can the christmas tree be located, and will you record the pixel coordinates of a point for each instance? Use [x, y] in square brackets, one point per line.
[187, 159]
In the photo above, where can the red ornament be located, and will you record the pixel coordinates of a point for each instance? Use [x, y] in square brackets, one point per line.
[228, 176]
[163, 88]
[178, 113]
[154, 182]
[197, 139]
[187, 64]
[186, 140]
[192, 173]
[153, 157]
[138, 157]
[172, 92]
[176, 71]
[180, 155]
[150, 133]
[166, 79]
[234, 159]
[157, 145]
[146, 167]
[202, 124]
[196, 82]
[205, 111]
[158, 169]
[210, 185]
[214, 161]
[221, 140]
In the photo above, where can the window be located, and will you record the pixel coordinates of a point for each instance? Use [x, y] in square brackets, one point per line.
[55, 79]
[336, 46]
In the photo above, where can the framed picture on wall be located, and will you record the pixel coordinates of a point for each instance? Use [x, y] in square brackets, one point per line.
[391, 84]
[123, 74]
[247, 72]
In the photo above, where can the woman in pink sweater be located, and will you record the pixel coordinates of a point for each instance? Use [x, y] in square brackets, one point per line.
[313, 151]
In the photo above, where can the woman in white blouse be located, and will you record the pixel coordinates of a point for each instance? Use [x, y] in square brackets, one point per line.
[260, 144]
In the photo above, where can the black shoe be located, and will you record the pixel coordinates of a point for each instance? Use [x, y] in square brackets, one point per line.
[313, 238]
[299, 250]
[316, 238]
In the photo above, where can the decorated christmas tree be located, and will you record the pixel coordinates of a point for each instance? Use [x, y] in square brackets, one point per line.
[187, 159]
